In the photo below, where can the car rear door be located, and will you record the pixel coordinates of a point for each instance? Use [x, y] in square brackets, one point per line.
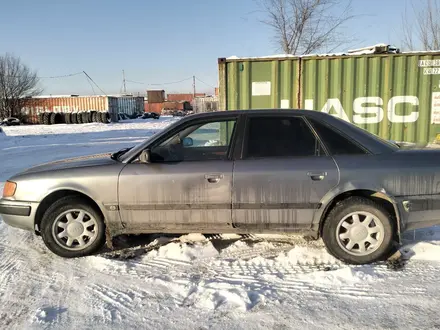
[281, 175]
[186, 186]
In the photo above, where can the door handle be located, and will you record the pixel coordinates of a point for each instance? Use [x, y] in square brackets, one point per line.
[213, 178]
[317, 176]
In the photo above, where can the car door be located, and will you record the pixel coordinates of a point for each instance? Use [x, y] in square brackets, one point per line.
[281, 176]
[186, 185]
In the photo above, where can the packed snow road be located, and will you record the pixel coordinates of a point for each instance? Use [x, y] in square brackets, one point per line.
[195, 281]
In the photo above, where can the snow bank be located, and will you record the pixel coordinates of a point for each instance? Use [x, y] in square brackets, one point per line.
[126, 125]
[307, 256]
[184, 251]
[223, 297]
[343, 276]
[428, 251]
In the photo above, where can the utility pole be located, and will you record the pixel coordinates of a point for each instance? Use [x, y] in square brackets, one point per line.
[123, 81]
[194, 86]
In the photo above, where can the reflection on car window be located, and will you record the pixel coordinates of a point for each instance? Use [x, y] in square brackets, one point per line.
[210, 135]
[280, 137]
[335, 142]
[209, 141]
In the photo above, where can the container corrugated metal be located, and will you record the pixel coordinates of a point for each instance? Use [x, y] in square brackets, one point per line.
[174, 105]
[396, 96]
[34, 106]
[129, 105]
[156, 96]
[114, 105]
[183, 97]
[154, 107]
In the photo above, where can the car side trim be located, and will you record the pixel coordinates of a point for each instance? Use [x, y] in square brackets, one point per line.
[20, 210]
[222, 206]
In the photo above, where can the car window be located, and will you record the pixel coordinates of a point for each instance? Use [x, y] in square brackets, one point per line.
[210, 135]
[335, 142]
[280, 137]
[206, 141]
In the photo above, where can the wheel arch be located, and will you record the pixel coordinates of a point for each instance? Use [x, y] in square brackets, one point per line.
[56, 195]
[375, 195]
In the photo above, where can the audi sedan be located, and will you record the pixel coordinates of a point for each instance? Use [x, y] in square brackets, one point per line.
[255, 171]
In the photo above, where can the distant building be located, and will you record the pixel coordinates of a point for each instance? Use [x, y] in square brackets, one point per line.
[184, 97]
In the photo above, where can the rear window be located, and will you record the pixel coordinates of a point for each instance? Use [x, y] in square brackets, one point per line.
[336, 143]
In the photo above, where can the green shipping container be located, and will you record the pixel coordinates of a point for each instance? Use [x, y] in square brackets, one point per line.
[396, 96]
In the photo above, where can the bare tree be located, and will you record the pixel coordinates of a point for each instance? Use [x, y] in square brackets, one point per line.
[17, 82]
[307, 26]
[422, 30]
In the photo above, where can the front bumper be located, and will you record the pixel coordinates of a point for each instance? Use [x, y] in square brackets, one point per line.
[18, 214]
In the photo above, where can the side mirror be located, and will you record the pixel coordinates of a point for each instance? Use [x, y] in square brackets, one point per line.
[187, 142]
[145, 156]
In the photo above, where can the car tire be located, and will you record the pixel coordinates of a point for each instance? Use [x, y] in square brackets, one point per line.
[52, 118]
[59, 118]
[41, 118]
[74, 118]
[67, 118]
[105, 117]
[93, 116]
[79, 118]
[55, 224]
[46, 119]
[84, 118]
[345, 225]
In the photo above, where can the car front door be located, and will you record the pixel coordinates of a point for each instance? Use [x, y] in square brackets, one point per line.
[281, 176]
[185, 186]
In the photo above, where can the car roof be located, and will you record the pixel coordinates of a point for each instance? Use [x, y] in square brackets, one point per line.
[227, 113]
[371, 142]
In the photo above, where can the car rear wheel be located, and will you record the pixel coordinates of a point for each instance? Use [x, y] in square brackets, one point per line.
[72, 228]
[358, 231]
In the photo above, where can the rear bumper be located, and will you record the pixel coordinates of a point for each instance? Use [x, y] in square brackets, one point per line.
[18, 214]
[419, 211]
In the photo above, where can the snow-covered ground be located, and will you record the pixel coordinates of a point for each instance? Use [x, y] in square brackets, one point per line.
[193, 281]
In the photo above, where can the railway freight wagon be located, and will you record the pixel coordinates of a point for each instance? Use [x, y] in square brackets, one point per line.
[396, 96]
[80, 109]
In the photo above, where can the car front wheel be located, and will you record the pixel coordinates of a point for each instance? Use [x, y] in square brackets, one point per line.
[358, 231]
[72, 228]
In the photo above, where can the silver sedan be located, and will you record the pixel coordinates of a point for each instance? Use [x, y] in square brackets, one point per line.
[256, 171]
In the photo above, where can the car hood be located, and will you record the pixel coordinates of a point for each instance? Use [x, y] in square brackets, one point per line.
[76, 162]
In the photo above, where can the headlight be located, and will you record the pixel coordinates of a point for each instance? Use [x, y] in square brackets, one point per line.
[9, 189]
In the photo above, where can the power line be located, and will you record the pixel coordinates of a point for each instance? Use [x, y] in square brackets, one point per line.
[51, 77]
[64, 76]
[94, 82]
[166, 83]
[205, 83]
[94, 93]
